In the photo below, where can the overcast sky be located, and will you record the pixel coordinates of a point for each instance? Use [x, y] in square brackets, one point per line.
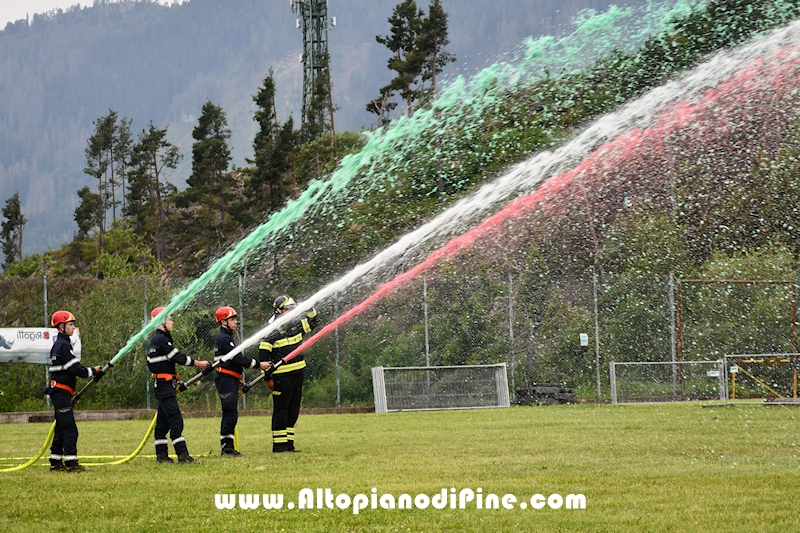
[12, 10]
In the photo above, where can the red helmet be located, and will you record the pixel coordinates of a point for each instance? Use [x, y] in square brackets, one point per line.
[155, 312]
[225, 312]
[62, 316]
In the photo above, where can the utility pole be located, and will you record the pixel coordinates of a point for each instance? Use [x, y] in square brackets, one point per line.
[312, 21]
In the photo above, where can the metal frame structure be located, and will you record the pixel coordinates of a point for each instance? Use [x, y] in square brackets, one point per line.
[313, 23]
[679, 321]
[498, 371]
[612, 369]
[759, 358]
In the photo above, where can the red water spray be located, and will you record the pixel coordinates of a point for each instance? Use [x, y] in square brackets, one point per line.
[610, 156]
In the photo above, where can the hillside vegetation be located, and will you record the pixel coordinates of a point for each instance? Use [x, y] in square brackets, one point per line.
[155, 63]
[721, 204]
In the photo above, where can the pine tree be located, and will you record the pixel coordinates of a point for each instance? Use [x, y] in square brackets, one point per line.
[97, 164]
[319, 114]
[260, 185]
[88, 216]
[266, 114]
[107, 155]
[406, 24]
[147, 188]
[209, 184]
[11, 235]
[431, 41]
[382, 106]
[281, 163]
[122, 154]
[417, 44]
[432, 57]
[274, 146]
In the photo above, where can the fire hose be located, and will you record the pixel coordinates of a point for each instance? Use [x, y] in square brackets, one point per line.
[49, 440]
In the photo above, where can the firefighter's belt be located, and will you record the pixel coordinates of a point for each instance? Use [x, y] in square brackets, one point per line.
[229, 372]
[67, 388]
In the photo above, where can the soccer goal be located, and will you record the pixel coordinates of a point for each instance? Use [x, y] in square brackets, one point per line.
[761, 375]
[440, 387]
[666, 381]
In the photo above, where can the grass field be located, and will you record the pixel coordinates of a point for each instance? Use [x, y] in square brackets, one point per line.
[662, 467]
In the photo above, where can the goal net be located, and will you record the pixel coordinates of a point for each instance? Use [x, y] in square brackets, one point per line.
[666, 381]
[440, 387]
[761, 375]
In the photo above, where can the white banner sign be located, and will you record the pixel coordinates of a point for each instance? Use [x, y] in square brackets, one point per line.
[32, 345]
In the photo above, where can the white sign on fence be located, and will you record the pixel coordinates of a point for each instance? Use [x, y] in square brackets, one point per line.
[32, 345]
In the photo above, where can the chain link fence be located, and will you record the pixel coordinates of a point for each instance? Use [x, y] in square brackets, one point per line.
[444, 318]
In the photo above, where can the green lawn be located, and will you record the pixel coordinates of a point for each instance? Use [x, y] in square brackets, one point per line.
[663, 467]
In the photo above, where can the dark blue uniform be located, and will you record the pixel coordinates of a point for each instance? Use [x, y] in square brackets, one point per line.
[228, 380]
[288, 378]
[64, 368]
[161, 360]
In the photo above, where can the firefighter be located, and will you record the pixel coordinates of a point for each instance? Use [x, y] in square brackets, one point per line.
[287, 380]
[65, 366]
[161, 360]
[229, 377]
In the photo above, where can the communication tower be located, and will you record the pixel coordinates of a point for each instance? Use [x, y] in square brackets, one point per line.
[313, 22]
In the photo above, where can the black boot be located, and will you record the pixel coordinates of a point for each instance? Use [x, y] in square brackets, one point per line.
[73, 466]
[164, 459]
[230, 452]
[186, 458]
[228, 449]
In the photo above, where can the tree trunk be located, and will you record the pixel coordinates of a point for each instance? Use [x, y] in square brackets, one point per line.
[159, 209]
[113, 185]
[333, 128]
[433, 70]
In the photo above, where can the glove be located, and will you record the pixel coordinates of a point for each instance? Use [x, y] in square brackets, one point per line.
[98, 374]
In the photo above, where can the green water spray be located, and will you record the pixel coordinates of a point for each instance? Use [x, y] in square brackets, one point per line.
[388, 151]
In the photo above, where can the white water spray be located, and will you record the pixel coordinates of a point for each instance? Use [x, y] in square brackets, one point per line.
[527, 176]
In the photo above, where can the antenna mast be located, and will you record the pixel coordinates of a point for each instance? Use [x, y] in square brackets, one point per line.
[312, 21]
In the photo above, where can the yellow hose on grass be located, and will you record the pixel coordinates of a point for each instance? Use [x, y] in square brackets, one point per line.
[49, 440]
[136, 451]
[46, 444]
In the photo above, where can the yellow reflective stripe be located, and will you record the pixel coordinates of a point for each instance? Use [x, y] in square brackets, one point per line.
[288, 341]
[290, 367]
[265, 346]
[312, 313]
[306, 327]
